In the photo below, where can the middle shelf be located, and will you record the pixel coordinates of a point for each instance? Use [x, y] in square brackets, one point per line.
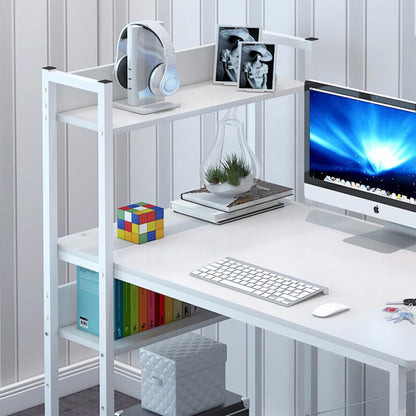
[68, 327]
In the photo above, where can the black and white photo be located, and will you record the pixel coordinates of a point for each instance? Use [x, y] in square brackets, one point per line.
[227, 51]
[257, 66]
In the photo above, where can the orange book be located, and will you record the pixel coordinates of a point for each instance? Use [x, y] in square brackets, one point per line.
[142, 309]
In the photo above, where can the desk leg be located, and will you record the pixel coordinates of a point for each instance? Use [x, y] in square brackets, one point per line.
[397, 391]
[255, 369]
[306, 380]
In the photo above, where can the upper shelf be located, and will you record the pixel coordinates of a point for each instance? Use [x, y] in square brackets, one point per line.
[195, 99]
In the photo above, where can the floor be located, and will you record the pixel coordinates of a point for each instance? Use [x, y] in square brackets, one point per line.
[83, 403]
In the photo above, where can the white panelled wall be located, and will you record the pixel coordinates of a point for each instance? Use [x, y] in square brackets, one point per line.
[366, 44]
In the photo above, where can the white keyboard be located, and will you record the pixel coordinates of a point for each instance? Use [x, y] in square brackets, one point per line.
[258, 281]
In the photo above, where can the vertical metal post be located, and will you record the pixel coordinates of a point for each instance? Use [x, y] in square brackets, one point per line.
[50, 239]
[306, 377]
[105, 237]
[397, 389]
[255, 369]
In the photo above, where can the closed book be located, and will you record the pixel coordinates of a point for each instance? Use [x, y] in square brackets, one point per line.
[177, 309]
[194, 309]
[87, 301]
[134, 309]
[168, 309]
[142, 309]
[162, 316]
[186, 309]
[126, 309]
[157, 309]
[118, 309]
[217, 216]
[260, 192]
[151, 316]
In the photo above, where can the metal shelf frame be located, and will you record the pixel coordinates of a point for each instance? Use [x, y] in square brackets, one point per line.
[93, 87]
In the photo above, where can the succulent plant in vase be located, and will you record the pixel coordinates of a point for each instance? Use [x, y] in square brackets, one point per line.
[231, 176]
[231, 167]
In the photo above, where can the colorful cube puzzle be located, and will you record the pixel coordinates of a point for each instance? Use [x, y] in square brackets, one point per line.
[140, 223]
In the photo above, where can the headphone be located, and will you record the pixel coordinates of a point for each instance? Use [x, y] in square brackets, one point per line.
[156, 59]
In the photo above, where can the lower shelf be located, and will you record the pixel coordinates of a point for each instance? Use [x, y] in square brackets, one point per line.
[234, 405]
[132, 342]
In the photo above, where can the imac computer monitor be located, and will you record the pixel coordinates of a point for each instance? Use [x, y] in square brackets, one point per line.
[360, 152]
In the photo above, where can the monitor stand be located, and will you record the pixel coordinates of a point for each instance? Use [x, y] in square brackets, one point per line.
[383, 239]
[388, 239]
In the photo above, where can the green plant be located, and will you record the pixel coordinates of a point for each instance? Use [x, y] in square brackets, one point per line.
[232, 170]
[215, 175]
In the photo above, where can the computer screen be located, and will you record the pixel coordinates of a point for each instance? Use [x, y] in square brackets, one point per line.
[360, 152]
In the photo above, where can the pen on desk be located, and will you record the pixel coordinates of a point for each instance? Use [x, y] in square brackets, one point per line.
[407, 301]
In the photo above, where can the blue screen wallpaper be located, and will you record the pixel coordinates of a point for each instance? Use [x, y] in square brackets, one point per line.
[358, 141]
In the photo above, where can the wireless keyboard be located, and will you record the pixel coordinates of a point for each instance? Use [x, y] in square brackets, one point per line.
[257, 281]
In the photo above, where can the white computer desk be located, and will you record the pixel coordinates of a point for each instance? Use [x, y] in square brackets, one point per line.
[302, 241]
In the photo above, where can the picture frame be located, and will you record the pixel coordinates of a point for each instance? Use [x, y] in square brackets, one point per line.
[227, 51]
[257, 68]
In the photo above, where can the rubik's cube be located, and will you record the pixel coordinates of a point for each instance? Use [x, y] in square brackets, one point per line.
[140, 223]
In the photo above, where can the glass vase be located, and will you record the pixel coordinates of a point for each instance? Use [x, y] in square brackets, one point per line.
[231, 168]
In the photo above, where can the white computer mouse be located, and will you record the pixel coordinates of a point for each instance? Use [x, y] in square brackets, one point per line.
[329, 309]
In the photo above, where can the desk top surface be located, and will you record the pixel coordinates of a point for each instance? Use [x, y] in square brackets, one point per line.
[297, 240]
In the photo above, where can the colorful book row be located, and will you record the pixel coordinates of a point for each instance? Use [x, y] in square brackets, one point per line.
[135, 309]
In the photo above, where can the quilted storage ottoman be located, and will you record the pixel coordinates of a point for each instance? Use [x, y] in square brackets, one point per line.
[183, 375]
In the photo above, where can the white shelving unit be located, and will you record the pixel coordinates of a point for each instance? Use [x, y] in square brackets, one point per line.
[85, 99]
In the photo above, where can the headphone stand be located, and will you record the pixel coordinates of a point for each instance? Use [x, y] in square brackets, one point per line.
[148, 108]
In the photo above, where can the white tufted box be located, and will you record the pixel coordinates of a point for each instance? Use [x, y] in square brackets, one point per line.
[183, 375]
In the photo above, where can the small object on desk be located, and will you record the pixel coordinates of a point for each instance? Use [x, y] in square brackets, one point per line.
[329, 309]
[400, 314]
[140, 223]
[259, 282]
[405, 316]
[407, 301]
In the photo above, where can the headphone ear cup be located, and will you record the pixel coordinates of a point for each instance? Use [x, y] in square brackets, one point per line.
[120, 71]
[155, 78]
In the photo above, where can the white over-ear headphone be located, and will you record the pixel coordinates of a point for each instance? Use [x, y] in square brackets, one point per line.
[159, 68]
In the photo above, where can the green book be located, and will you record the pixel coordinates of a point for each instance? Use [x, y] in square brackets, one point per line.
[126, 309]
[134, 309]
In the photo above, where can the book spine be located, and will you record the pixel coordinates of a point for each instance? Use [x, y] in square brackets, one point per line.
[177, 309]
[126, 309]
[87, 300]
[142, 309]
[134, 309]
[168, 309]
[150, 309]
[118, 309]
[194, 309]
[186, 309]
[162, 310]
[157, 309]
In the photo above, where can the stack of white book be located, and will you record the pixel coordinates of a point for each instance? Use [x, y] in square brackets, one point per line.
[202, 204]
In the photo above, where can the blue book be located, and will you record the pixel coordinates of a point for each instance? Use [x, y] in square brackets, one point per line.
[88, 303]
[87, 300]
[118, 309]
